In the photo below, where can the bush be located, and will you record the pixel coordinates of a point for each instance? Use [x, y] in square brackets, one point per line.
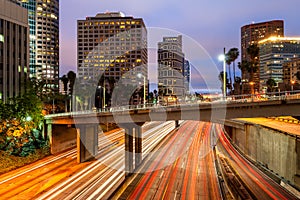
[21, 124]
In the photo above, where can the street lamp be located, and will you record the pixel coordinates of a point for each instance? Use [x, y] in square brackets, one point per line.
[140, 76]
[102, 94]
[223, 58]
[292, 84]
[252, 87]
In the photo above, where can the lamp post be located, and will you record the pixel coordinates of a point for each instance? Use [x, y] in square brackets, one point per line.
[252, 89]
[292, 85]
[104, 95]
[100, 93]
[223, 58]
[140, 76]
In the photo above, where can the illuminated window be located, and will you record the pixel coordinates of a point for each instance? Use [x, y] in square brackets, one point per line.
[1, 38]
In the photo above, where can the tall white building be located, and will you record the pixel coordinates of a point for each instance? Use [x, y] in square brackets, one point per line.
[170, 69]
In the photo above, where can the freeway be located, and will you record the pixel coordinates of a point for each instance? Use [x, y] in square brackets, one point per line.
[244, 179]
[184, 169]
[201, 164]
[61, 177]
[178, 164]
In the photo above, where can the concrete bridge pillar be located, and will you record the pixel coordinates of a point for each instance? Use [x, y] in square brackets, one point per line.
[87, 142]
[133, 138]
[138, 146]
[128, 150]
[176, 123]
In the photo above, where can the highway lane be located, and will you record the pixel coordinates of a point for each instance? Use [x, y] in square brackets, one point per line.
[101, 178]
[45, 175]
[256, 183]
[184, 169]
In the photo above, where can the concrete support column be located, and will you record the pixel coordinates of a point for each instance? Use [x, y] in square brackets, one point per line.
[128, 150]
[49, 133]
[138, 146]
[176, 123]
[87, 142]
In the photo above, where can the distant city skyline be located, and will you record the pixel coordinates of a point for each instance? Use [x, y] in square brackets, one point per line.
[213, 25]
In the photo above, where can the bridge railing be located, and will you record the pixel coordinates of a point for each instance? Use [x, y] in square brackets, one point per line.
[272, 96]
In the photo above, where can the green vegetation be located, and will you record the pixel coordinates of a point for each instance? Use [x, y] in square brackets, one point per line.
[10, 162]
[21, 124]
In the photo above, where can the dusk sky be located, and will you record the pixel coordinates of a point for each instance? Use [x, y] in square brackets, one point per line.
[211, 24]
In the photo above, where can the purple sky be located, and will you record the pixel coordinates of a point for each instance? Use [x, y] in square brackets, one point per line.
[212, 24]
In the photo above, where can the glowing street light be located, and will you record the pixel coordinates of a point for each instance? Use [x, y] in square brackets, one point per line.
[103, 94]
[140, 76]
[252, 87]
[292, 84]
[223, 58]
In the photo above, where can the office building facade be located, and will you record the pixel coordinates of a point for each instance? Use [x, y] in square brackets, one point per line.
[252, 34]
[291, 75]
[43, 20]
[273, 53]
[14, 49]
[113, 46]
[171, 69]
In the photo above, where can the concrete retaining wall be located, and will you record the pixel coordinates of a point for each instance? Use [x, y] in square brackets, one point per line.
[275, 150]
[63, 138]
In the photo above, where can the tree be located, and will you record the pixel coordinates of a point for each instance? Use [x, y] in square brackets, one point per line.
[298, 75]
[21, 122]
[228, 62]
[233, 54]
[237, 85]
[155, 95]
[221, 75]
[72, 77]
[270, 84]
[253, 52]
[65, 81]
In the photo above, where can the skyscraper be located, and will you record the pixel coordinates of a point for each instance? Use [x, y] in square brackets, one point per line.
[14, 49]
[170, 69]
[187, 75]
[273, 53]
[113, 46]
[251, 34]
[43, 20]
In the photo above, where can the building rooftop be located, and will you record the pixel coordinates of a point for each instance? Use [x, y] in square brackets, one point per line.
[109, 15]
[279, 39]
[262, 23]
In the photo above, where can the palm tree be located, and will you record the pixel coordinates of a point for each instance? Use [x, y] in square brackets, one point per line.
[253, 52]
[221, 79]
[65, 81]
[71, 76]
[237, 85]
[233, 55]
[228, 62]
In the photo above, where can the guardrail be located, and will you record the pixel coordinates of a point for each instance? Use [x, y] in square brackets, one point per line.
[275, 96]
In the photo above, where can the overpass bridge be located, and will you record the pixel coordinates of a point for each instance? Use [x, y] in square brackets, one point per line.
[84, 125]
